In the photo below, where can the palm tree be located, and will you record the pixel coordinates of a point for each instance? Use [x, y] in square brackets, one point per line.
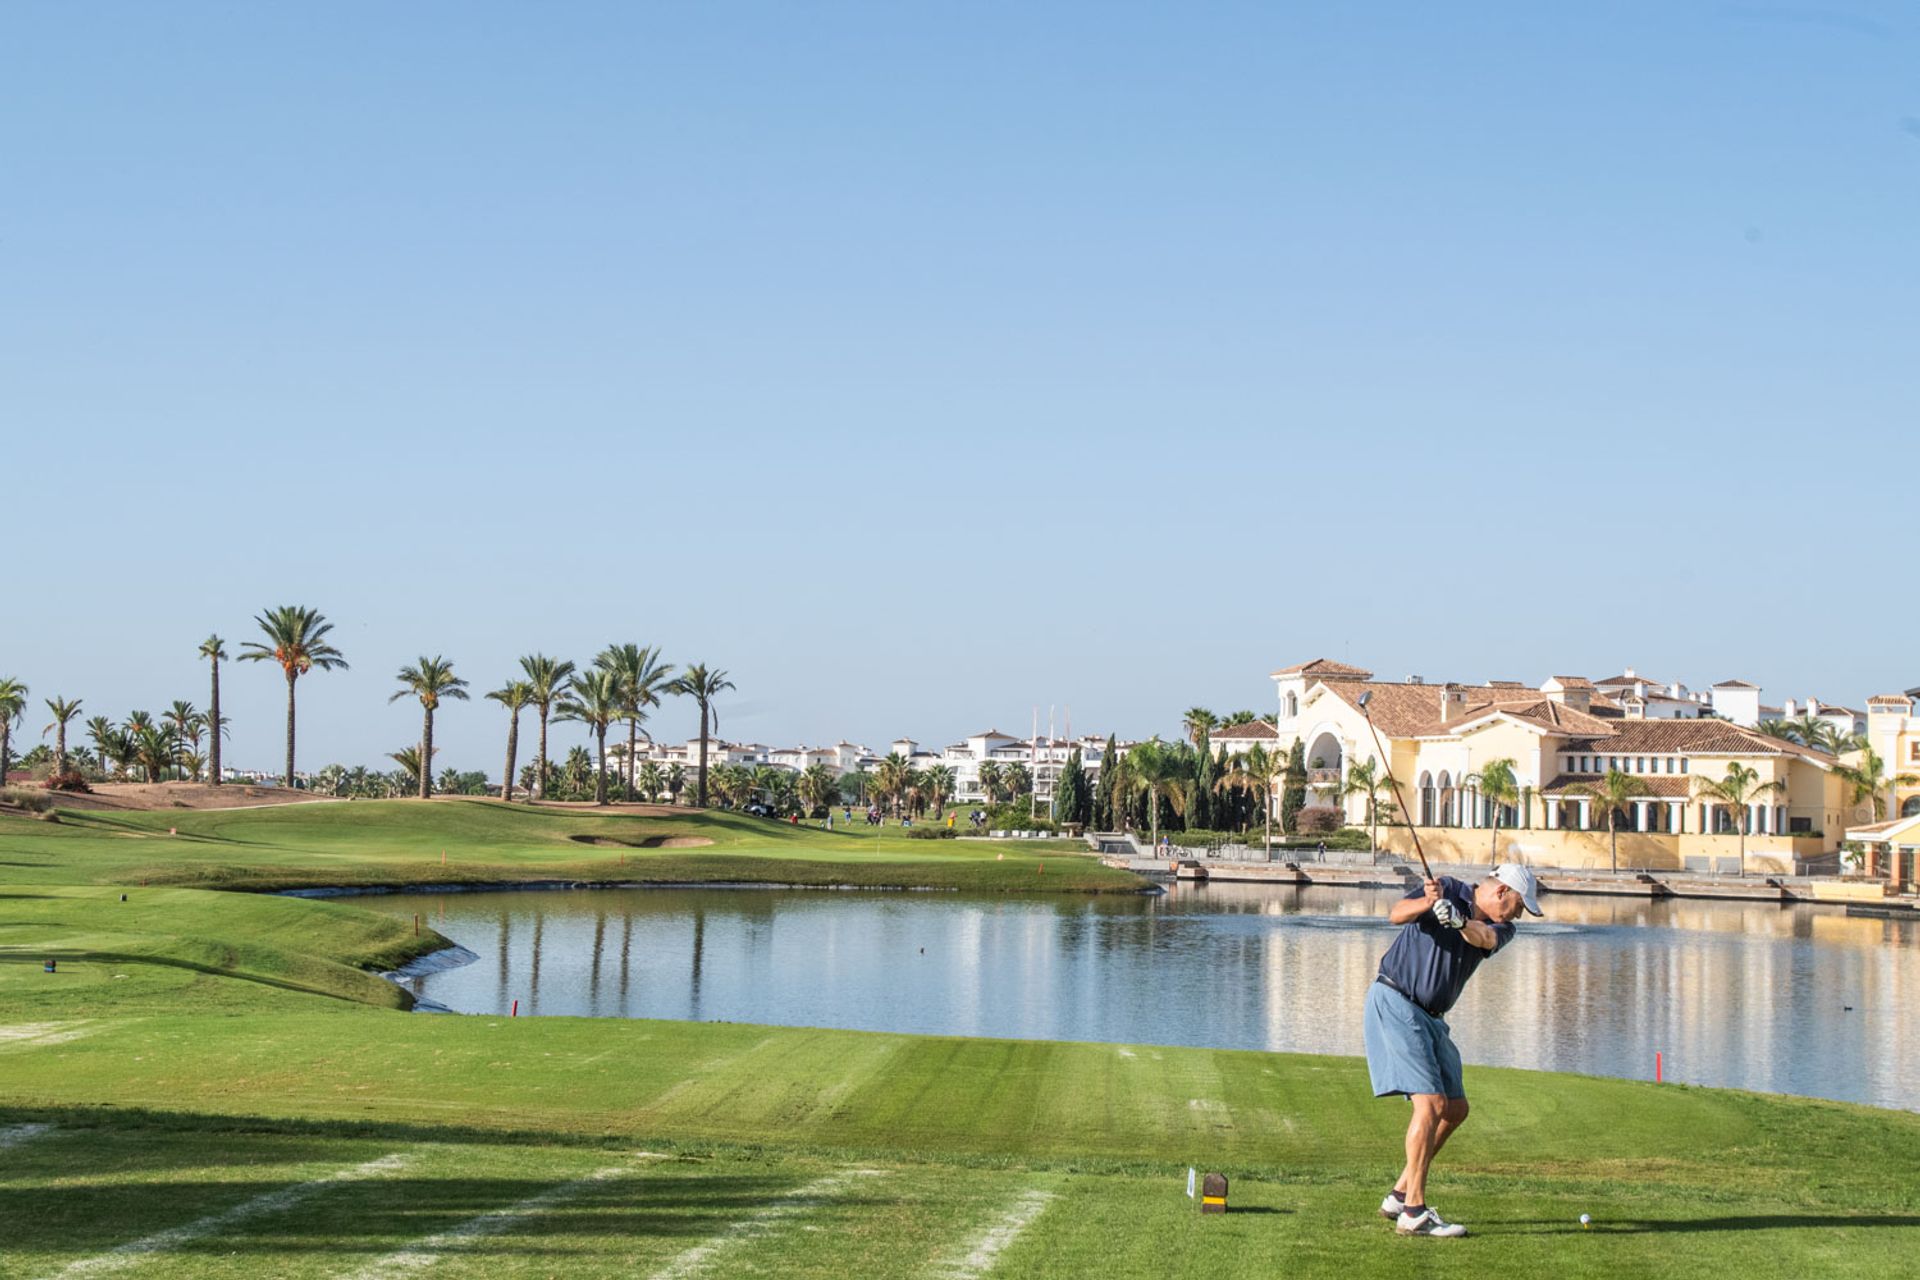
[1369, 780]
[1497, 783]
[648, 780]
[676, 781]
[154, 750]
[1161, 774]
[818, 787]
[1867, 779]
[213, 649]
[100, 729]
[430, 681]
[1198, 721]
[297, 640]
[193, 762]
[938, 781]
[703, 686]
[408, 758]
[1737, 791]
[1614, 793]
[766, 783]
[1255, 773]
[514, 695]
[63, 711]
[990, 780]
[13, 704]
[1811, 731]
[547, 678]
[1236, 718]
[180, 717]
[596, 698]
[643, 677]
[891, 777]
[575, 772]
[1017, 779]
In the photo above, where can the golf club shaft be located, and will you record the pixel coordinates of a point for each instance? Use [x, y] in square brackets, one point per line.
[1386, 763]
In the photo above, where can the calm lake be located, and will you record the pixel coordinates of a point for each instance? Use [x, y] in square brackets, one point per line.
[1785, 999]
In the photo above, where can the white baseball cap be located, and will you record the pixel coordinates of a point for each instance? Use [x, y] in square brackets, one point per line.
[1521, 880]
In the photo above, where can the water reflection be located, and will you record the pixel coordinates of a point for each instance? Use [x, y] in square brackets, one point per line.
[1787, 999]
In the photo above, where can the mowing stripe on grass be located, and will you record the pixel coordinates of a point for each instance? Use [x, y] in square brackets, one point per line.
[493, 1222]
[811, 1196]
[986, 1250]
[15, 1134]
[132, 1252]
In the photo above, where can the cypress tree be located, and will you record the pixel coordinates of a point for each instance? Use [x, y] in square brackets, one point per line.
[1201, 810]
[1104, 818]
[1293, 791]
[1071, 803]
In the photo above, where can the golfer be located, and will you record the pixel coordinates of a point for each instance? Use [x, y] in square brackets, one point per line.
[1448, 928]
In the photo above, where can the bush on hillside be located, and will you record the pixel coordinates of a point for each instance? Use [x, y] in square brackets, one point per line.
[932, 833]
[71, 780]
[1318, 819]
[21, 797]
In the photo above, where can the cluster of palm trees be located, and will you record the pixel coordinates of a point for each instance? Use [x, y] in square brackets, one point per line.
[167, 745]
[1812, 731]
[623, 684]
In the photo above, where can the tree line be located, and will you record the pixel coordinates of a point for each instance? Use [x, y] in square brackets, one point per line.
[623, 684]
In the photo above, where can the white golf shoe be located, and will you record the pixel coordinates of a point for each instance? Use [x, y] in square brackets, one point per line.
[1392, 1207]
[1428, 1223]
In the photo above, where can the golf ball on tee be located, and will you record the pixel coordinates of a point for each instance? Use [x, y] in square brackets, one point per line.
[1586, 1219]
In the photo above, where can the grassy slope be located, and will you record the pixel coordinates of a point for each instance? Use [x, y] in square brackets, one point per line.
[179, 1090]
[401, 841]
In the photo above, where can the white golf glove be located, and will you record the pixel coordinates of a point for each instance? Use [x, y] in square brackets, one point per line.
[1449, 914]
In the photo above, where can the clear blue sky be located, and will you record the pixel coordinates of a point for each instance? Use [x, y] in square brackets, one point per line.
[1475, 340]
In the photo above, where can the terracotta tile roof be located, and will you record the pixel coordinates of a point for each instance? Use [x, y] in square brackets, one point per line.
[1543, 712]
[1735, 684]
[1882, 699]
[1326, 668]
[1623, 678]
[991, 733]
[1574, 682]
[1706, 737]
[1663, 787]
[1506, 684]
[1251, 729]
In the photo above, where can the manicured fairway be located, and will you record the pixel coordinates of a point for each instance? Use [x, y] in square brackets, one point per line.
[212, 1085]
[1066, 1159]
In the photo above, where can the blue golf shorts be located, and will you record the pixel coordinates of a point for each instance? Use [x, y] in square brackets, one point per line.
[1408, 1049]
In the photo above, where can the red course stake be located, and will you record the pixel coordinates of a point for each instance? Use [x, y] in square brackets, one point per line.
[516, 1010]
[1659, 1067]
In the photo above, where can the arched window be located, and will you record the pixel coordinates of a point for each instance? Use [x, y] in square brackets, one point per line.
[1293, 705]
[1426, 799]
[1911, 808]
[1443, 816]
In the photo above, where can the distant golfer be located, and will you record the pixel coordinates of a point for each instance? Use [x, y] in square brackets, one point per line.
[1450, 926]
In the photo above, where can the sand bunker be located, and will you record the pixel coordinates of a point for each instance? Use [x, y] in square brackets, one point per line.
[642, 842]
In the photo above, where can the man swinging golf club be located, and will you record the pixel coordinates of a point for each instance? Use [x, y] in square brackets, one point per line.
[1447, 927]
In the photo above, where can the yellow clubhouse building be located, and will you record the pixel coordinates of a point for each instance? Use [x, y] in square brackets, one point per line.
[1562, 738]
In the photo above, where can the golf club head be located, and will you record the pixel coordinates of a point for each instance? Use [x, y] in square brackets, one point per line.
[1365, 698]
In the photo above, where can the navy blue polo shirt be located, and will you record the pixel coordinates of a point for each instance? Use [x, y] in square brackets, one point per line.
[1430, 962]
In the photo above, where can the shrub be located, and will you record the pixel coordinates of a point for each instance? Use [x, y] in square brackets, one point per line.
[931, 833]
[31, 801]
[71, 780]
[1319, 819]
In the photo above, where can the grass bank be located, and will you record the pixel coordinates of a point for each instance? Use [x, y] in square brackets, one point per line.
[455, 840]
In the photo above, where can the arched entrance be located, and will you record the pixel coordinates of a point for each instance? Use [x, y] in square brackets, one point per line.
[1426, 798]
[1444, 815]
